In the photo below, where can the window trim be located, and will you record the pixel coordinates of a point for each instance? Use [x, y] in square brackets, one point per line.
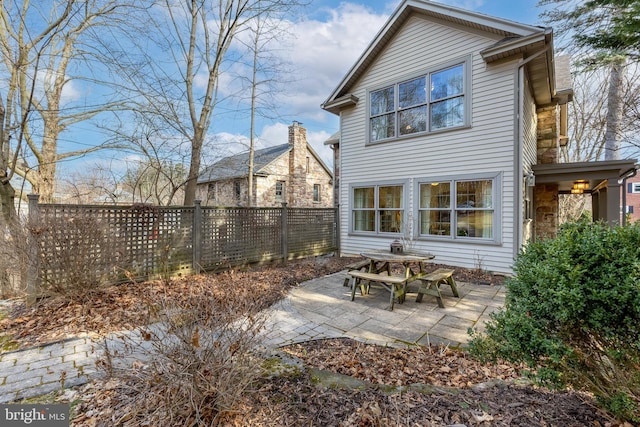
[282, 190]
[317, 193]
[466, 62]
[497, 192]
[211, 192]
[376, 207]
[237, 190]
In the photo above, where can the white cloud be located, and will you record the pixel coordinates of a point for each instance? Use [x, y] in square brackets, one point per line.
[71, 92]
[322, 53]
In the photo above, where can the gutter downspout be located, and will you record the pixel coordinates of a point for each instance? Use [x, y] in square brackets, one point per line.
[518, 155]
[623, 180]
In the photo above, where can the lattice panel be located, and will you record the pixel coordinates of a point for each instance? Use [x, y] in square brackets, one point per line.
[133, 242]
[234, 236]
[311, 231]
[117, 243]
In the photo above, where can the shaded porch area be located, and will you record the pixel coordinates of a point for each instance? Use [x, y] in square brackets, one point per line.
[604, 181]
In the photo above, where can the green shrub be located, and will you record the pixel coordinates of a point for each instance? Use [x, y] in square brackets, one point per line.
[572, 314]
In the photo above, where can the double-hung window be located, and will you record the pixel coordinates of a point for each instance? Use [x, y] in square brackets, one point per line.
[377, 208]
[431, 102]
[458, 209]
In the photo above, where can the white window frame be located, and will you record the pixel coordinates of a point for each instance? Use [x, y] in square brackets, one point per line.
[496, 208]
[378, 212]
[316, 192]
[635, 187]
[429, 103]
[279, 192]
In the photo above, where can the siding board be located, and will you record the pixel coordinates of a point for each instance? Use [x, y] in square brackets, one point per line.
[485, 147]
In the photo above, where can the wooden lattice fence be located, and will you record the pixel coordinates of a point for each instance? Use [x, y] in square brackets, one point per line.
[118, 243]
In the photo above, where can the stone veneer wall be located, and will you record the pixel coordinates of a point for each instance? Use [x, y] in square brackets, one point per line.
[297, 164]
[291, 169]
[546, 196]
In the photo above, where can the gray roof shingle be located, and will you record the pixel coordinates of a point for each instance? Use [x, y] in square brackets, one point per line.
[236, 166]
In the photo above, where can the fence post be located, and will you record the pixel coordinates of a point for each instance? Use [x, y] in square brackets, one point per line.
[33, 269]
[196, 236]
[284, 233]
[336, 231]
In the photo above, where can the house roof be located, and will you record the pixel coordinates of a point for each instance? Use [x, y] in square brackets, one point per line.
[333, 139]
[514, 39]
[236, 166]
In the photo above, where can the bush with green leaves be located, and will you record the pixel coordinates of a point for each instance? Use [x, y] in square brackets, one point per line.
[572, 314]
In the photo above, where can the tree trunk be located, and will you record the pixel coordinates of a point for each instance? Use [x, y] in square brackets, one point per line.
[194, 168]
[614, 111]
[7, 205]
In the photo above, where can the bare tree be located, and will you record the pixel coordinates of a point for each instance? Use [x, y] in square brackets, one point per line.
[155, 181]
[584, 26]
[97, 184]
[588, 124]
[177, 79]
[43, 45]
[267, 73]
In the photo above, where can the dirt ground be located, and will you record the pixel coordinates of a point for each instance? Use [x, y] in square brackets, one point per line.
[420, 386]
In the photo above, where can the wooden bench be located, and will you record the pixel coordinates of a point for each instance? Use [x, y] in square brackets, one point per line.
[356, 266]
[396, 285]
[431, 285]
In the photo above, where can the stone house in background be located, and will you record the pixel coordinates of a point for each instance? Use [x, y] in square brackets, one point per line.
[291, 173]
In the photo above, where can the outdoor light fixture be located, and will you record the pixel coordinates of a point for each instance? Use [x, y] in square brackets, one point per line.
[530, 179]
[579, 186]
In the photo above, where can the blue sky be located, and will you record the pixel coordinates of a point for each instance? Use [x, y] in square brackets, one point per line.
[329, 36]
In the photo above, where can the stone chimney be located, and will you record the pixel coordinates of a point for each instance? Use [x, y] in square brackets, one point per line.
[297, 163]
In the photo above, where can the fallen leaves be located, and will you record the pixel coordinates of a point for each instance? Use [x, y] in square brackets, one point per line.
[480, 399]
[130, 305]
[400, 366]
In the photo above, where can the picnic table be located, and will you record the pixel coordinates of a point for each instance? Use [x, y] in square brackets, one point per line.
[379, 271]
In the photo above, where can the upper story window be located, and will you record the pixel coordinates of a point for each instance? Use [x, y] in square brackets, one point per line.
[634, 187]
[434, 101]
[279, 190]
[316, 192]
[237, 190]
[211, 192]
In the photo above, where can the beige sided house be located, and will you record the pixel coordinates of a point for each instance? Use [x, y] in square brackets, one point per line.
[291, 173]
[443, 121]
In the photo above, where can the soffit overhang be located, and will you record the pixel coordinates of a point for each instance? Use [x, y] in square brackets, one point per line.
[565, 174]
[536, 54]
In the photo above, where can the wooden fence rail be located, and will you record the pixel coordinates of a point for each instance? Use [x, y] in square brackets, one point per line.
[142, 241]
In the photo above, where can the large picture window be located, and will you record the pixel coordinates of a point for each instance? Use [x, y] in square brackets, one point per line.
[378, 208]
[458, 209]
[427, 103]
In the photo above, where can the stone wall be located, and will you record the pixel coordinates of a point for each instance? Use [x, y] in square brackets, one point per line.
[298, 164]
[548, 141]
[546, 196]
